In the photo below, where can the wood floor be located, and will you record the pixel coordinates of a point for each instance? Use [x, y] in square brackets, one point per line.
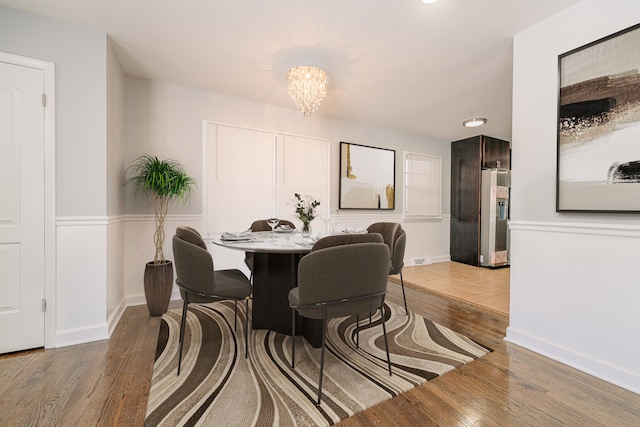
[482, 287]
[106, 383]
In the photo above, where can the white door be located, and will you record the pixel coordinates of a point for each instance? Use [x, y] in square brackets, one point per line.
[21, 207]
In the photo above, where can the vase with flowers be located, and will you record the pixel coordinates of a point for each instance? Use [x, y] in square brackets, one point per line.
[305, 211]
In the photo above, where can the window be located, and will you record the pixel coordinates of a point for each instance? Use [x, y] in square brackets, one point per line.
[246, 171]
[422, 185]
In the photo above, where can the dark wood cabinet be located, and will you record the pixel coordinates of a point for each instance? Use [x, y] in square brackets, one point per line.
[468, 158]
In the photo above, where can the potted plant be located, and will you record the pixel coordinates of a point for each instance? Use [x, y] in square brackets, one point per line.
[168, 182]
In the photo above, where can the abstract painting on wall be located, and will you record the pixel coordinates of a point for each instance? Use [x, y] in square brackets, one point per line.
[599, 126]
[367, 177]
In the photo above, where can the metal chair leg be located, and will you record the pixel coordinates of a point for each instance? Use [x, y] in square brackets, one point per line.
[246, 328]
[182, 327]
[293, 338]
[324, 338]
[358, 329]
[235, 315]
[406, 310]
[384, 332]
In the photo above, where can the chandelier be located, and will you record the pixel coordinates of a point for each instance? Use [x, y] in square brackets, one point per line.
[307, 87]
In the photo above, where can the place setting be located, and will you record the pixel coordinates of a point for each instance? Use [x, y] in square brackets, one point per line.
[240, 236]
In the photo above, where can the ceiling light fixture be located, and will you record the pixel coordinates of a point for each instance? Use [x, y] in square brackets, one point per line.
[429, 1]
[471, 123]
[307, 87]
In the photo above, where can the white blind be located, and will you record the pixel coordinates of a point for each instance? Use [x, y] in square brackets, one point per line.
[423, 185]
[247, 171]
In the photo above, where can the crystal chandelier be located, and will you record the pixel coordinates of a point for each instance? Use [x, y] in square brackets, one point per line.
[307, 87]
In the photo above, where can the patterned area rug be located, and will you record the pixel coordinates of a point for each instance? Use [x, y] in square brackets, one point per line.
[219, 386]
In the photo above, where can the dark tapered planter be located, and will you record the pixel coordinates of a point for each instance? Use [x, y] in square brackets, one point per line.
[158, 282]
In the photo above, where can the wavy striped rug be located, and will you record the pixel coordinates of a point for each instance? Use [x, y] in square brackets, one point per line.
[218, 386]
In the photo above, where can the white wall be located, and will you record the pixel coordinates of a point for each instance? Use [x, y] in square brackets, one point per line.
[574, 277]
[80, 57]
[115, 190]
[165, 120]
[81, 69]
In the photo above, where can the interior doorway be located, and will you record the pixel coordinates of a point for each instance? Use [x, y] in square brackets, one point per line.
[25, 221]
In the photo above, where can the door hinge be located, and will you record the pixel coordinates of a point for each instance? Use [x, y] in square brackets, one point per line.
[44, 99]
[44, 304]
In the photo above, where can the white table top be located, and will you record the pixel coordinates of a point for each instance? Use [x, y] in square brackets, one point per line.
[264, 241]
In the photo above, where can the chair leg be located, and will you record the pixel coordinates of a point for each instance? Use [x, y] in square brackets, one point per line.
[384, 332]
[293, 338]
[235, 315]
[182, 327]
[406, 310]
[246, 328]
[324, 339]
[358, 329]
[184, 316]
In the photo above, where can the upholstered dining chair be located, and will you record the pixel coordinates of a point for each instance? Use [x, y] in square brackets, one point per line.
[395, 238]
[338, 281]
[200, 283]
[346, 239]
[261, 225]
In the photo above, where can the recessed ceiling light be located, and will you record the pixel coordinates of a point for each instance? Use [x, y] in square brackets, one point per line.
[429, 1]
[471, 123]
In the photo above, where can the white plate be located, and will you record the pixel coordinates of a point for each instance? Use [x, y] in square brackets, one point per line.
[237, 238]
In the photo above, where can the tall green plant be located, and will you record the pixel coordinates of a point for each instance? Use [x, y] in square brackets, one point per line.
[168, 182]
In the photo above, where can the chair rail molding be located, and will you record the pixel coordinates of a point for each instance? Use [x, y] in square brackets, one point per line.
[618, 230]
[75, 221]
[169, 217]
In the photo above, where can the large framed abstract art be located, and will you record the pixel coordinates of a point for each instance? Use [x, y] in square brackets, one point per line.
[599, 126]
[367, 177]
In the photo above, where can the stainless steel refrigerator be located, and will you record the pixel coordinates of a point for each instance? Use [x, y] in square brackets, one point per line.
[494, 217]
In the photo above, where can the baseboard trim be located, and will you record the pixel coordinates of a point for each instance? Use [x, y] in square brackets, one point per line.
[607, 372]
[115, 317]
[85, 334]
[139, 299]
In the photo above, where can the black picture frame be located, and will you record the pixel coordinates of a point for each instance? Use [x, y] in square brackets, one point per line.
[367, 177]
[598, 126]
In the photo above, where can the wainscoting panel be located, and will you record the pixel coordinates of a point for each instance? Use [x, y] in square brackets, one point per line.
[81, 280]
[115, 270]
[575, 295]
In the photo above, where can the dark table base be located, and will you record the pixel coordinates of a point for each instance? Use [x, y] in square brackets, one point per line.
[274, 275]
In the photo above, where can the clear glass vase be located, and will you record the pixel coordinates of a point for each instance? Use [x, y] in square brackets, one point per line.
[306, 229]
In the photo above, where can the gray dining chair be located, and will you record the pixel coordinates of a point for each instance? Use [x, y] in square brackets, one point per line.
[261, 225]
[346, 239]
[395, 238]
[338, 281]
[199, 282]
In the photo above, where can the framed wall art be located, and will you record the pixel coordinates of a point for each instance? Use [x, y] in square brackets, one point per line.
[367, 177]
[598, 155]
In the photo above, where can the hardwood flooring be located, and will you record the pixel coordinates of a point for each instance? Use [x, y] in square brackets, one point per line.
[106, 383]
[482, 287]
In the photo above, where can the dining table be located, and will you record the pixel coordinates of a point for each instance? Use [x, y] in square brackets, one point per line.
[275, 272]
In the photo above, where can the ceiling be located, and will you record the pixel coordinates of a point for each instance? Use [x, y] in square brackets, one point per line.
[397, 64]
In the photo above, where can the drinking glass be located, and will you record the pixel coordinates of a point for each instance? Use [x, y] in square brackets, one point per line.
[333, 219]
[272, 219]
[325, 216]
